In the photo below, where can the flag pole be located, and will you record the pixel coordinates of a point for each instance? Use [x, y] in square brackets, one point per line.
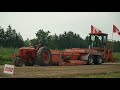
[112, 36]
[112, 33]
[112, 41]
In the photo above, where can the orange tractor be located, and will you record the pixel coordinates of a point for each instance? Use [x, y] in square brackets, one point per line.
[99, 51]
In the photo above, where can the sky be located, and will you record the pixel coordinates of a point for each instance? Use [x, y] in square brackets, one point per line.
[28, 23]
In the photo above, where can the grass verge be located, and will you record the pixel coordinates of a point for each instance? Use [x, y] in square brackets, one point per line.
[101, 75]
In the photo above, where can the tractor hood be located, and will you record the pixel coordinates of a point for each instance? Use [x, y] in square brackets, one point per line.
[26, 48]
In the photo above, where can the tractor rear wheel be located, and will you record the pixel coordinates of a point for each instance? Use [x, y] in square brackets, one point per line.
[90, 60]
[44, 56]
[18, 62]
[99, 60]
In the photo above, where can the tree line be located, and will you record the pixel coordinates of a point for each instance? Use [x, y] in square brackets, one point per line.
[10, 38]
[61, 41]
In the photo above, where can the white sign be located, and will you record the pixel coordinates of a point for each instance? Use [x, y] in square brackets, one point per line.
[8, 69]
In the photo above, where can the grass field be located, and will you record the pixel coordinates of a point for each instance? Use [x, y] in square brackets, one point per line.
[116, 56]
[5, 55]
[102, 75]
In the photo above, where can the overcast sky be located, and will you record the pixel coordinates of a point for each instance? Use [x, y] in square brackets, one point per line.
[28, 23]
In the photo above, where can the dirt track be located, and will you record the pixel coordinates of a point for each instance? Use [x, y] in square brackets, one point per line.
[53, 71]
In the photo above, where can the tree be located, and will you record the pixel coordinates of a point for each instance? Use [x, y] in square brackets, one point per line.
[26, 42]
[34, 42]
[116, 46]
[19, 40]
[1, 36]
[43, 36]
[10, 38]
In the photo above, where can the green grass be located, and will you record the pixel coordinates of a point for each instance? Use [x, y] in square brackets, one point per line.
[116, 56]
[5, 55]
[102, 75]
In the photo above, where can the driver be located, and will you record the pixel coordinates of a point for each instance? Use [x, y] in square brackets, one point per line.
[39, 45]
[97, 41]
[30, 45]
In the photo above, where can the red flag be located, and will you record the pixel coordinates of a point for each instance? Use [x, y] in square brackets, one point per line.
[118, 33]
[94, 30]
[116, 30]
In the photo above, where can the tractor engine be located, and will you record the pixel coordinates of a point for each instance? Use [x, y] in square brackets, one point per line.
[28, 55]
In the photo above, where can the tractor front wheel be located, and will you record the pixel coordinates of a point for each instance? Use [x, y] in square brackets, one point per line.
[90, 60]
[18, 62]
[99, 60]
